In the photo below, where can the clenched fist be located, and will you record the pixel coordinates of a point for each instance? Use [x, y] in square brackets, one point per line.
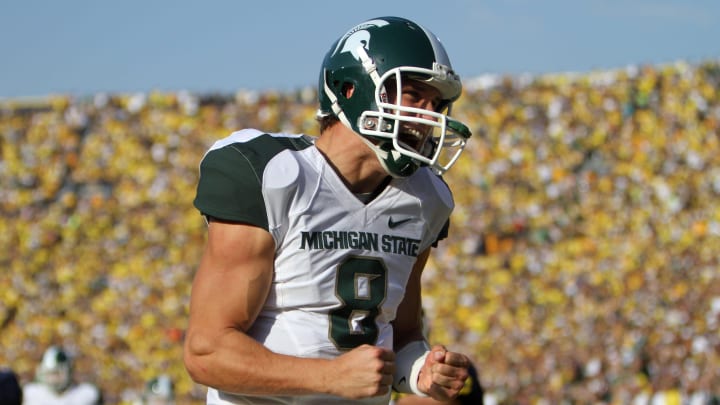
[444, 373]
[365, 371]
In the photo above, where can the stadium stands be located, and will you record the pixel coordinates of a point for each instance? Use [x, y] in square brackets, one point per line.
[582, 263]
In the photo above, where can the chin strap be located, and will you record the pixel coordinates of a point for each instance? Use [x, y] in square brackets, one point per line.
[382, 156]
[371, 70]
[334, 102]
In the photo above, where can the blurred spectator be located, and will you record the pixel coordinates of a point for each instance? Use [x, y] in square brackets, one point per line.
[10, 391]
[584, 250]
[55, 383]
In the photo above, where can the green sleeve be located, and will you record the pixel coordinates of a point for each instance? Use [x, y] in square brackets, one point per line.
[230, 188]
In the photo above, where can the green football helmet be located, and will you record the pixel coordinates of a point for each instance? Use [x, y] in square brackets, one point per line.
[159, 390]
[383, 52]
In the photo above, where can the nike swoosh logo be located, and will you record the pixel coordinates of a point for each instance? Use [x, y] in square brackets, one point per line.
[402, 381]
[394, 224]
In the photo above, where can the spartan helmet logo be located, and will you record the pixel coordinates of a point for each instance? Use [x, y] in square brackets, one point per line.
[357, 37]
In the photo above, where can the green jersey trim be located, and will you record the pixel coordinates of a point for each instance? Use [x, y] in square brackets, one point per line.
[231, 177]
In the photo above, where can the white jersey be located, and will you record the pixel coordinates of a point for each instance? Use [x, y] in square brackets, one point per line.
[79, 394]
[341, 266]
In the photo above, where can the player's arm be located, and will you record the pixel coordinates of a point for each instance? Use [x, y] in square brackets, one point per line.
[408, 324]
[442, 373]
[228, 291]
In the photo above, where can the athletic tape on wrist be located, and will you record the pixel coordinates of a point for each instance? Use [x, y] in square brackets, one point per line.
[408, 362]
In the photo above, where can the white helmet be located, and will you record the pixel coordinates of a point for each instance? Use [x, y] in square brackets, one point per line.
[55, 369]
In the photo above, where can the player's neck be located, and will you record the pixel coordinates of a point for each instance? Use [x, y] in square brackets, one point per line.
[352, 160]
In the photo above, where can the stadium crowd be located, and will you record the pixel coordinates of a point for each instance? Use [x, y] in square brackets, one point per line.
[581, 266]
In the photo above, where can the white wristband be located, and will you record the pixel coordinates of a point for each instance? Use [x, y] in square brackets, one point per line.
[408, 362]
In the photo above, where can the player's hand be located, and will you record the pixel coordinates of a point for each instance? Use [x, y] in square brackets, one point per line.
[365, 371]
[444, 373]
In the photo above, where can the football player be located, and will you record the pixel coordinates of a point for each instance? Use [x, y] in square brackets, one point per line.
[308, 291]
[55, 385]
[159, 391]
[10, 390]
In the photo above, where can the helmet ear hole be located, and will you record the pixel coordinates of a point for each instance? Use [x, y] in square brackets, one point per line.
[348, 89]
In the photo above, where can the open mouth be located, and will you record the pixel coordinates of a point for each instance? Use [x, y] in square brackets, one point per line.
[412, 138]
